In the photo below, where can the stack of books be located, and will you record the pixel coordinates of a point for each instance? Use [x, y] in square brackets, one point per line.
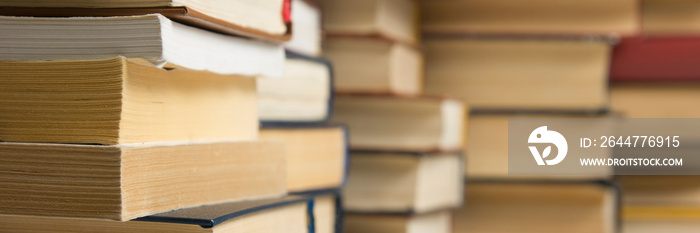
[655, 75]
[406, 160]
[296, 110]
[126, 116]
[525, 59]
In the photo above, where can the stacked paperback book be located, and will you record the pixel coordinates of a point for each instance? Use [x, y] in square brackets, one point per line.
[525, 59]
[145, 116]
[406, 160]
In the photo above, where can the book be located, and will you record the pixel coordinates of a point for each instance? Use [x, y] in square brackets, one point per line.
[488, 145]
[259, 19]
[530, 17]
[391, 19]
[290, 214]
[391, 182]
[328, 212]
[523, 206]
[316, 156]
[660, 203]
[438, 222]
[677, 18]
[121, 101]
[371, 65]
[656, 58]
[307, 28]
[655, 99]
[679, 192]
[303, 95]
[153, 38]
[391, 123]
[519, 73]
[129, 181]
[661, 222]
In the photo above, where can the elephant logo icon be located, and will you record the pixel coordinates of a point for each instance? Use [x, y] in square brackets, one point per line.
[542, 135]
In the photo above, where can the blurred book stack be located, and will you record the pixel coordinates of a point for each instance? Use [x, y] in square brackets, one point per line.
[126, 116]
[655, 75]
[406, 147]
[296, 110]
[525, 59]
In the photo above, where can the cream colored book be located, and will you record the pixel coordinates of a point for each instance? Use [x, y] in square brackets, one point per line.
[662, 223]
[152, 37]
[507, 73]
[121, 101]
[302, 94]
[326, 213]
[316, 156]
[403, 182]
[129, 181]
[655, 99]
[576, 207]
[307, 28]
[488, 146]
[665, 191]
[438, 222]
[620, 17]
[392, 19]
[371, 65]
[391, 123]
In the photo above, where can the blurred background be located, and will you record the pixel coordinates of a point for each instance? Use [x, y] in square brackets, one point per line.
[536, 58]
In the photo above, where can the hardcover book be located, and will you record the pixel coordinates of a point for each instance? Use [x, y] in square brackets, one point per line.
[530, 17]
[391, 19]
[513, 73]
[328, 211]
[291, 214]
[371, 65]
[437, 222]
[590, 207]
[307, 28]
[655, 99]
[645, 193]
[259, 19]
[661, 220]
[121, 101]
[128, 181]
[391, 123]
[488, 148]
[316, 156]
[391, 182]
[153, 38]
[302, 96]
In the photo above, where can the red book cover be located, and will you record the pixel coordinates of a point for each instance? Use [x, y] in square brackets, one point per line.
[287, 11]
[656, 58]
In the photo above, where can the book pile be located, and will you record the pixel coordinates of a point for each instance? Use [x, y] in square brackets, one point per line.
[406, 161]
[655, 75]
[144, 116]
[525, 59]
[296, 110]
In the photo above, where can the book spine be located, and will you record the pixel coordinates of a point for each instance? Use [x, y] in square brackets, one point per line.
[287, 11]
[660, 58]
